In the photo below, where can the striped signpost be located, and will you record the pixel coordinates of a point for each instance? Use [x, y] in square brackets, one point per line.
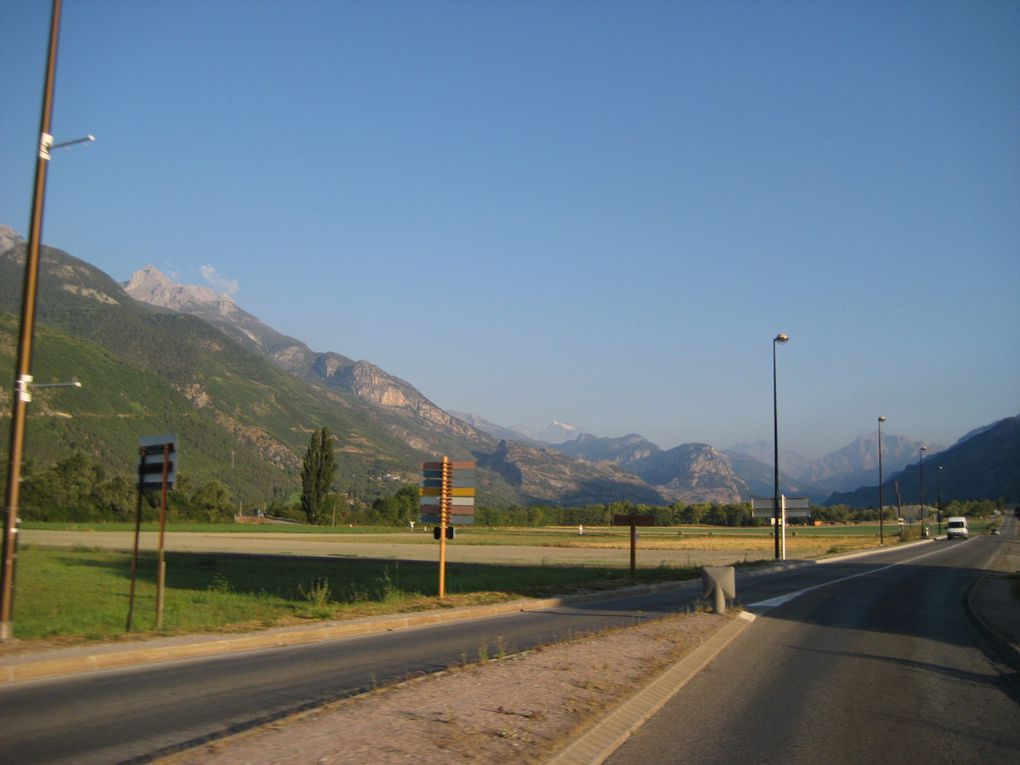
[446, 497]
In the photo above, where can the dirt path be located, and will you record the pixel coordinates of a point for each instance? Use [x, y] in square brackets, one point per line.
[518, 709]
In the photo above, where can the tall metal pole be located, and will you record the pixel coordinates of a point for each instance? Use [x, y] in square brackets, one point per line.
[881, 495]
[28, 305]
[780, 338]
[938, 496]
[920, 486]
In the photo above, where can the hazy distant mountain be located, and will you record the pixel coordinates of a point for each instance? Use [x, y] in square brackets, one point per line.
[857, 463]
[496, 431]
[790, 462]
[692, 473]
[760, 479]
[554, 433]
[983, 466]
[622, 451]
[548, 475]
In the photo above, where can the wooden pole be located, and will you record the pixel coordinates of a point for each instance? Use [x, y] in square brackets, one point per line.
[134, 554]
[444, 516]
[23, 368]
[633, 546]
[161, 571]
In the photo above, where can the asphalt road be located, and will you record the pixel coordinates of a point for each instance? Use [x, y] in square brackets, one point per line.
[874, 631]
[387, 548]
[126, 715]
[880, 666]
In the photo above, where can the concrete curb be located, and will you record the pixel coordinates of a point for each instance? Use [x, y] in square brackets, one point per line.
[116, 656]
[1008, 650]
[608, 734]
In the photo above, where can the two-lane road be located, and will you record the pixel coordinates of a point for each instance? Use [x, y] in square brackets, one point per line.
[878, 664]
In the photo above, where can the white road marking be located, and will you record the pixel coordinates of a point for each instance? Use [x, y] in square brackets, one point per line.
[781, 599]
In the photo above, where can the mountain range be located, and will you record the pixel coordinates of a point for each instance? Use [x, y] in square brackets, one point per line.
[157, 356]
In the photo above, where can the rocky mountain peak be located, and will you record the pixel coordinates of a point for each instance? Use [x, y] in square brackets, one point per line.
[548, 475]
[692, 473]
[152, 286]
[9, 238]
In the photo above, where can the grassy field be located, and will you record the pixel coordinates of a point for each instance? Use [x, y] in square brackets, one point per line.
[66, 596]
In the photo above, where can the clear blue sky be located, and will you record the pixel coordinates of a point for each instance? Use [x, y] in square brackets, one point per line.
[597, 212]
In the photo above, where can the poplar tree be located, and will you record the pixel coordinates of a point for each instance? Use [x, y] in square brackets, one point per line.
[317, 474]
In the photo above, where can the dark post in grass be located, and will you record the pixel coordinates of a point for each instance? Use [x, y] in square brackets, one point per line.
[881, 495]
[780, 338]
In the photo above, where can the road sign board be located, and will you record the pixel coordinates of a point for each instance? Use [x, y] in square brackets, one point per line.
[153, 452]
[155, 443]
[796, 507]
[457, 504]
[791, 503]
[460, 519]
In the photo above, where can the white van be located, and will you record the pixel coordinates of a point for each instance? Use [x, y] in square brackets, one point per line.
[956, 526]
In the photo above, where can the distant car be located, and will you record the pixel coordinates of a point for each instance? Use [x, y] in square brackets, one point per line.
[995, 530]
[956, 527]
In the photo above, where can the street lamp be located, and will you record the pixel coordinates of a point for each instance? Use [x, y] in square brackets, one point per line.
[938, 496]
[780, 338]
[881, 495]
[920, 486]
[23, 370]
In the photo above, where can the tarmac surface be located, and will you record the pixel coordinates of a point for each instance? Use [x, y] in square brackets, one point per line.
[381, 547]
[993, 603]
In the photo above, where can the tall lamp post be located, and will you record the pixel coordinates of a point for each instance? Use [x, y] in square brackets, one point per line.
[23, 377]
[938, 496]
[881, 494]
[920, 486]
[780, 338]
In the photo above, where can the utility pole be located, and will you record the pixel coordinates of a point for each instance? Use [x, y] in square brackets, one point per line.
[23, 374]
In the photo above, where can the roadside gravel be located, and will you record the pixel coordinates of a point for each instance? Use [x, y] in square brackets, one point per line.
[521, 708]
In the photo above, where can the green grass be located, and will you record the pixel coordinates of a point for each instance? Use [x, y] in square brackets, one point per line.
[81, 594]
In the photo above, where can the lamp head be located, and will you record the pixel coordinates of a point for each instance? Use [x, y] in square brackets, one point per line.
[881, 418]
[782, 337]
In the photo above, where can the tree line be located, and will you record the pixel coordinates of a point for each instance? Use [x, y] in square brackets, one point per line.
[77, 489]
[80, 490]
